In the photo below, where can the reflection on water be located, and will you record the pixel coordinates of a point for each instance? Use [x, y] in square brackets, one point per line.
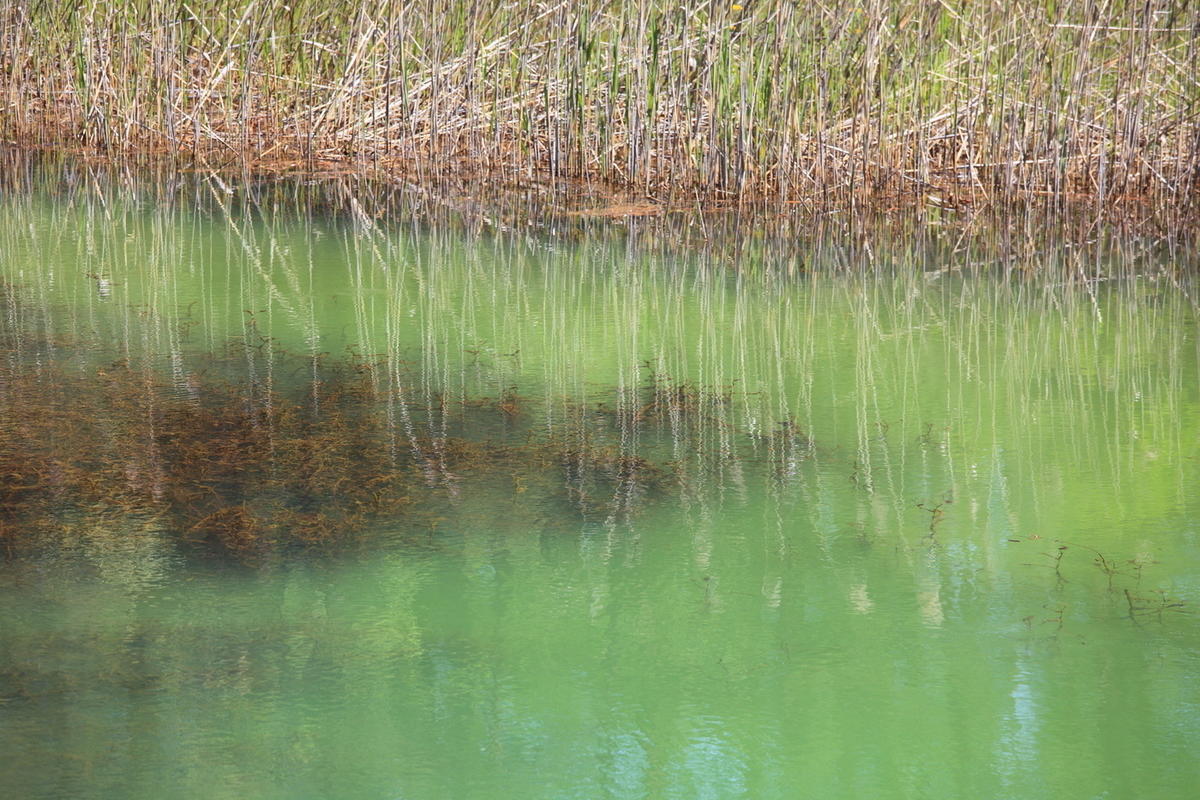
[461, 498]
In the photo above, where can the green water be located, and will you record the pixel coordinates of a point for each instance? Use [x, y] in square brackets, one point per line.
[926, 527]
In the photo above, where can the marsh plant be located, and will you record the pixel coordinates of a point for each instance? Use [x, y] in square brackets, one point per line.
[945, 102]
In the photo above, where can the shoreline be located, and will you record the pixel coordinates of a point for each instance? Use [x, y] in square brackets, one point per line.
[595, 196]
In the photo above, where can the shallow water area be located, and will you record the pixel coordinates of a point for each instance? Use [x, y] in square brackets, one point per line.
[328, 489]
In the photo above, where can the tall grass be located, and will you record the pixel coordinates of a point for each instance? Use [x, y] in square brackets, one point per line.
[776, 99]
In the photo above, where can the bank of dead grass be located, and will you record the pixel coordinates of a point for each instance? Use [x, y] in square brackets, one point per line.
[950, 102]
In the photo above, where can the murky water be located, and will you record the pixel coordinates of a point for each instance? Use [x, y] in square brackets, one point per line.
[302, 502]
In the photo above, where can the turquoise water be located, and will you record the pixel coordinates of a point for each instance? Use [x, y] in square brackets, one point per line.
[879, 511]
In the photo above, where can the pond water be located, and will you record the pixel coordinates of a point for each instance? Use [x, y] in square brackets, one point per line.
[316, 491]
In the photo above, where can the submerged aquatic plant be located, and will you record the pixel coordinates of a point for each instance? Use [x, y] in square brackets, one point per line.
[251, 469]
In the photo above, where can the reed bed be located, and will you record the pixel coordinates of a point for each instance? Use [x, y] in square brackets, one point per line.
[945, 102]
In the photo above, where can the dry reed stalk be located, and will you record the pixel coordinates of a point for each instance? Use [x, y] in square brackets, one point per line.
[965, 101]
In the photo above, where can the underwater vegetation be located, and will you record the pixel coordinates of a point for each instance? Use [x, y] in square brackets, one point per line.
[250, 464]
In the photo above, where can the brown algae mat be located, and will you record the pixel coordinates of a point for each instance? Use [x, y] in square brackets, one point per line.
[237, 466]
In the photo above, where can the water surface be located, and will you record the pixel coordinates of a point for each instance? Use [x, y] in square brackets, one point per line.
[689, 507]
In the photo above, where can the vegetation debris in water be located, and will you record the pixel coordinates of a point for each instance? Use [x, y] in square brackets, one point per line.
[249, 469]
